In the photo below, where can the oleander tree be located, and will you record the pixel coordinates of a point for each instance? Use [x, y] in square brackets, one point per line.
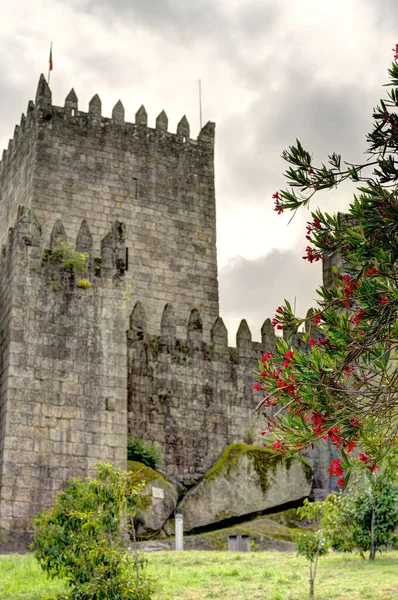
[340, 383]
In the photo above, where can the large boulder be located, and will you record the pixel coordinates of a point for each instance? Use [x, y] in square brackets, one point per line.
[163, 499]
[244, 480]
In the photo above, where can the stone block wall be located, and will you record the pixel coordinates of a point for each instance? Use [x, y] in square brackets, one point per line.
[72, 165]
[190, 397]
[63, 392]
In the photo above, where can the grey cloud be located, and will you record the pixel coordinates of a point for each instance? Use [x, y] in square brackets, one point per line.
[326, 119]
[252, 289]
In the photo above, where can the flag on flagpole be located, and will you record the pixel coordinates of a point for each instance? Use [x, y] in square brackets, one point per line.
[50, 68]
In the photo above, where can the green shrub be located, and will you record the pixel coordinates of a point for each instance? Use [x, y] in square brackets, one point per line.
[66, 256]
[143, 452]
[80, 538]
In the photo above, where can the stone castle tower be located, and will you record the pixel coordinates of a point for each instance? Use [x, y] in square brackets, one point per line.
[142, 351]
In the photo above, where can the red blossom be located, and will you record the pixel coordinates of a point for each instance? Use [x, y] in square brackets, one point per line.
[312, 342]
[266, 356]
[335, 469]
[375, 467]
[278, 204]
[256, 387]
[355, 422]
[340, 481]
[384, 300]
[357, 318]
[350, 447]
[313, 255]
[276, 323]
[317, 319]
[289, 355]
[395, 50]
[372, 271]
[277, 445]
[364, 458]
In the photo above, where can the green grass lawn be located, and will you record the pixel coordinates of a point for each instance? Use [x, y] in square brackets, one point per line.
[226, 575]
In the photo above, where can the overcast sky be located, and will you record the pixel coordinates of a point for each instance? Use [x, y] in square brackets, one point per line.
[271, 70]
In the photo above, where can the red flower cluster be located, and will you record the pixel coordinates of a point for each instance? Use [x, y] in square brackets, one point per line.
[366, 461]
[316, 224]
[276, 323]
[357, 318]
[317, 319]
[277, 445]
[350, 446]
[384, 301]
[288, 356]
[370, 272]
[278, 204]
[320, 342]
[257, 387]
[348, 289]
[266, 356]
[348, 370]
[335, 469]
[395, 50]
[313, 255]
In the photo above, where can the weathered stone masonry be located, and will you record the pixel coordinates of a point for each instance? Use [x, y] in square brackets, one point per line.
[143, 350]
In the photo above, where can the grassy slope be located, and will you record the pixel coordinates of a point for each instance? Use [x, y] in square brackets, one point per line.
[223, 575]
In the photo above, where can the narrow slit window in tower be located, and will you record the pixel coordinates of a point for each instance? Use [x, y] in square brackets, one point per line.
[135, 188]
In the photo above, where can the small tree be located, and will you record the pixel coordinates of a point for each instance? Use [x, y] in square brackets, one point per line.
[80, 538]
[311, 545]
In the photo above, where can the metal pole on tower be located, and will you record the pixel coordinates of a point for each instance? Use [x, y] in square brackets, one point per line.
[200, 103]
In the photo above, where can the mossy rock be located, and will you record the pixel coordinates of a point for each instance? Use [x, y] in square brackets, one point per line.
[159, 510]
[245, 479]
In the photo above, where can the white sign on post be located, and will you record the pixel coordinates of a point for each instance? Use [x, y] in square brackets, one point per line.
[157, 493]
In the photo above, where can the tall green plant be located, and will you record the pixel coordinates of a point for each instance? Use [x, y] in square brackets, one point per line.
[312, 544]
[80, 538]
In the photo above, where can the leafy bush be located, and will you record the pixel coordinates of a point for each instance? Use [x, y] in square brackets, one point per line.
[144, 452]
[80, 538]
[65, 254]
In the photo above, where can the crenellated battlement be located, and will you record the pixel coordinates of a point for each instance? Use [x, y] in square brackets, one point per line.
[194, 342]
[43, 112]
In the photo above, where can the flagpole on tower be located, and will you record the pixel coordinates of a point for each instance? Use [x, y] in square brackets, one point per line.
[200, 103]
[50, 63]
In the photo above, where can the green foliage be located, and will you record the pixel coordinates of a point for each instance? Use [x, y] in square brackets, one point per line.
[363, 519]
[341, 381]
[80, 538]
[144, 452]
[65, 255]
[311, 545]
